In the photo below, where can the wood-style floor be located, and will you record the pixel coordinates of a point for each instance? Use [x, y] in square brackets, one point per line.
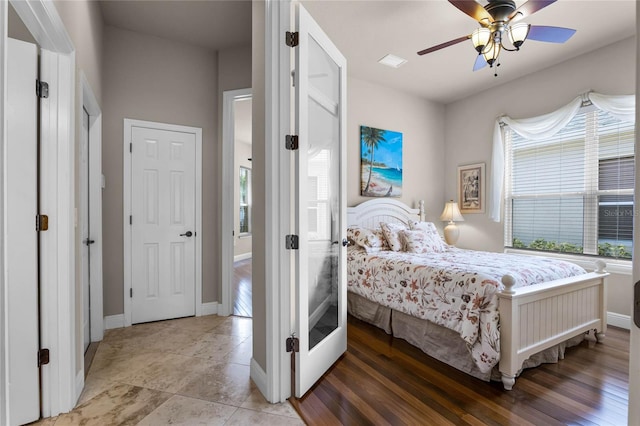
[242, 288]
[383, 380]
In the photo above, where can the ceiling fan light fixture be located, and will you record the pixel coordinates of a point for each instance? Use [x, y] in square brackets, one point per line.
[518, 34]
[480, 38]
[491, 52]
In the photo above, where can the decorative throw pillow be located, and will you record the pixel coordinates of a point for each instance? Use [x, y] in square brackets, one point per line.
[427, 227]
[419, 241]
[391, 232]
[371, 240]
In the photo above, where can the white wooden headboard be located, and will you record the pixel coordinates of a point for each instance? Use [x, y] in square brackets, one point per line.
[370, 213]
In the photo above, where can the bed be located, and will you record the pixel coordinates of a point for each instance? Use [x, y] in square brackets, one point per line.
[511, 328]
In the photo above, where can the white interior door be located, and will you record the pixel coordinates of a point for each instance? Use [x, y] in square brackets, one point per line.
[321, 202]
[163, 231]
[21, 242]
[84, 229]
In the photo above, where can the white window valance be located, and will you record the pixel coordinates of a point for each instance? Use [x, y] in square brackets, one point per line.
[545, 126]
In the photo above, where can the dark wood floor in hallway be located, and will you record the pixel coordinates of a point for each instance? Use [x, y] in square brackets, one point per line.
[383, 380]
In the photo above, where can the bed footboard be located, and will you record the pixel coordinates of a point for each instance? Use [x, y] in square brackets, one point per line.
[536, 317]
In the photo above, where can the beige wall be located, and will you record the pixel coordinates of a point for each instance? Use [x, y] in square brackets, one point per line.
[16, 28]
[469, 126]
[154, 79]
[421, 123]
[83, 21]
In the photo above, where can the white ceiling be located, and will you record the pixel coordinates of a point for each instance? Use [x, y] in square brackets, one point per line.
[365, 31]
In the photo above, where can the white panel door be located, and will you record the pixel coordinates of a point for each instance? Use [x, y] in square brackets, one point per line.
[84, 229]
[321, 310]
[163, 224]
[21, 242]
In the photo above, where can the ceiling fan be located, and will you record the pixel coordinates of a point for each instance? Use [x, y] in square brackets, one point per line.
[497, 18]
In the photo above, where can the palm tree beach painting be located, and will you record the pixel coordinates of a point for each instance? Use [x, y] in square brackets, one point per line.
[380, 162]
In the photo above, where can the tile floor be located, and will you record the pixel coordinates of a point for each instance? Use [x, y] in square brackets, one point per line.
[189, 371]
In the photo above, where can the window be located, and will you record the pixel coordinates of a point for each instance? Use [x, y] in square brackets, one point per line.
[245, 201]
[572, 192]
[318, 189]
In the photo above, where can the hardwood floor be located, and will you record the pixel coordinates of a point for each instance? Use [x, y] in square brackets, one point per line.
[383, 380]
[242, 288]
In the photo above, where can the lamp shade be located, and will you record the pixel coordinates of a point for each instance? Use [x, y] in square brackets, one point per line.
[518, 33]
[451, 212]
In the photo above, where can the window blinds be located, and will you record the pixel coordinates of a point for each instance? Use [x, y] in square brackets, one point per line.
[572, 192]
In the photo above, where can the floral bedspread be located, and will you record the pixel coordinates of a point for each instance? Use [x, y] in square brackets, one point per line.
[455, 289]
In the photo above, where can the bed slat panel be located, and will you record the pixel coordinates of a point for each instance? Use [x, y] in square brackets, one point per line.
[543, 319]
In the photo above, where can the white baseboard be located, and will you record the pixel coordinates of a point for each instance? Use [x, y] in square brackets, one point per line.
[242, 256]
[79, 385]
[619, 320]
[259, 377]
[209, 308]
[114, 321]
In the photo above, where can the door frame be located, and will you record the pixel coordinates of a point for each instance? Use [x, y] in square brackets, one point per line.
[88, 100]
[126, 211]
[275, 381]
[58, 301]
[228, 168]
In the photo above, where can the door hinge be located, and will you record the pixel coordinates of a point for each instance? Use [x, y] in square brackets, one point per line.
[293, 344]
[130, 220]
[43, 357]
[130, 147]
[291, 242]
[42, 222]
[291, 142]
[291, 39]
[131, 292]
[42, 89]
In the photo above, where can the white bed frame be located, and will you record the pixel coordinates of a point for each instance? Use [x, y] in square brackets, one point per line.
[532, 318]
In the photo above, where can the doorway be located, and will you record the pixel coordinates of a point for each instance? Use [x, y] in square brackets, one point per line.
[237, 215]
[90, 219]
[162, 209]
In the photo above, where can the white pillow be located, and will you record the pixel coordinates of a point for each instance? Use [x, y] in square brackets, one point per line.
[371, 240]
[428, 227]
[391, 232]
[420, 241]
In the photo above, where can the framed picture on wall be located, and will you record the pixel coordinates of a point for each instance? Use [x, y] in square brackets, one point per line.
[471, 188]
[380, 162]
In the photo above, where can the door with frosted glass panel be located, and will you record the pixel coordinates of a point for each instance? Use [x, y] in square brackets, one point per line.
[321, 203]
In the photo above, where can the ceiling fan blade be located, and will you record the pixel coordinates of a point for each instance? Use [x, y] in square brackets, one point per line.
[443, 45]
[473, 9]
[550, 34]
[528, 8]
[480, 63]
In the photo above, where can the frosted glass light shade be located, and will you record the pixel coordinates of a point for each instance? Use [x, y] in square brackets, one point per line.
[480, 37]
[518, 33]
[491, 52]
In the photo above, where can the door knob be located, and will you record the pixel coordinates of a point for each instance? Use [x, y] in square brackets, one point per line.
[187, 234]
